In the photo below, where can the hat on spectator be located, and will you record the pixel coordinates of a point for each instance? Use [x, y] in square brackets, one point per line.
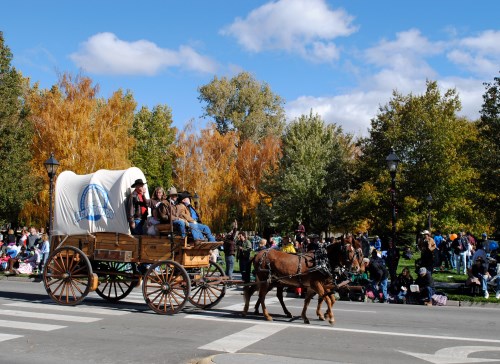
[366, 260]
[425, 232]
[484, 235]
[172, 191]
[138, 182]
[422, 270]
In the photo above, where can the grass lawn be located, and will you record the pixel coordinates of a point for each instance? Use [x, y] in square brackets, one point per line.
[448, 276]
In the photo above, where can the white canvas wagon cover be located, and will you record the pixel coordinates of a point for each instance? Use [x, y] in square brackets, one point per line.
[93, 202]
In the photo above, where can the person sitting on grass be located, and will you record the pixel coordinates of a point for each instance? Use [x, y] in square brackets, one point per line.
[425, 286]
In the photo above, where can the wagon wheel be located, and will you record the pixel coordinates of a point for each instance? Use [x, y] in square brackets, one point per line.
[67, 275]
[166, 287]
[116, 280]
[208, 288]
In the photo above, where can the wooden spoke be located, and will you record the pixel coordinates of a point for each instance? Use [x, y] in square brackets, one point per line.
[208, 288]
[166, 287]
[116, 279]
[67, 275]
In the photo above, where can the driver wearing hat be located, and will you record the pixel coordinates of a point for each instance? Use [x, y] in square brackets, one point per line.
[137, 207]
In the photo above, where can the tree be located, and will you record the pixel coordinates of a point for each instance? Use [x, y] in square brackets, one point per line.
[154, 137]
[17, 183]
[431, 142]
[489, 158]
[245, 105]
[86, 133]
[312, 169]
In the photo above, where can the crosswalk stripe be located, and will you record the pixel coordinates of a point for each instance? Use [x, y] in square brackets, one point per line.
[29, 325]
[5, 337]
[48, 316]
[237, 341]
[81, 308]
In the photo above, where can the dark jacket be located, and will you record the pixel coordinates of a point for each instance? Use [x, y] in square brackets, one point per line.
[133, 206]
[377, 270]
[424, 281]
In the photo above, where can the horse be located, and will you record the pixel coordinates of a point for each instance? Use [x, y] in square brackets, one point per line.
[278, 269]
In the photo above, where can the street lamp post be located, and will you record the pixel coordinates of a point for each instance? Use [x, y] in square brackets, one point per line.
[429, 204]
[392, 164]
[196, 200]
[329, 204]
[51, 165]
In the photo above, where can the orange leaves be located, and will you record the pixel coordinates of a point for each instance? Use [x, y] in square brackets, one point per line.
[85, 133]
[225, 172]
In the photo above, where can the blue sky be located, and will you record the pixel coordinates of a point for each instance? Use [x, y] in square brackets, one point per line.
[342, 59]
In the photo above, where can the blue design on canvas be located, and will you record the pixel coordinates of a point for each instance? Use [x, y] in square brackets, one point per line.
[94, 204]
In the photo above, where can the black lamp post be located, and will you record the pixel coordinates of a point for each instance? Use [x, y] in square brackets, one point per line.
[329, 204]
[196, 200]
[392, 164]
[429, 204]
[51, 165]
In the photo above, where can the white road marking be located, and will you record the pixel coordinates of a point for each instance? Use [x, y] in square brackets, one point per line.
[5, 337]
[338, 309]
[47, 316]
[239, 306]
[82, 309]
[29, 325]
[330, 328]
[242, 339]
[457, 354]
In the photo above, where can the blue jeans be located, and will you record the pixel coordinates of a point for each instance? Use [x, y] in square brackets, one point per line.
[200, 230]
[461, 260]
[181, 226]
[139, 225]
[229, 266]
[381, 286]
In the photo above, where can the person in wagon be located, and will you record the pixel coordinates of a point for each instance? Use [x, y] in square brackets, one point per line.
[137, 207]
[187, 212]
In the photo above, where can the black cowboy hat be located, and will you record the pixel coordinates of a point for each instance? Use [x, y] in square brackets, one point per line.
[184, 194]
[138, 182]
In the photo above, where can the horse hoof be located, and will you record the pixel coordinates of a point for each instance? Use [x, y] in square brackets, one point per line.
[289, 315]
[332, 322]
[321, 318]
[269, 318]
[306, 321]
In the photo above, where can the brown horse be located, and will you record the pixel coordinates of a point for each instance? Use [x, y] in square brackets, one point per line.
[278, 269]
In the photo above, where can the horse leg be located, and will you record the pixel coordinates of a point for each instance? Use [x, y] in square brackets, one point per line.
[248, 291]
[318, 309]
[262, 297]
[320, 290]
[256, 308]
[309, 295]
[279, 294]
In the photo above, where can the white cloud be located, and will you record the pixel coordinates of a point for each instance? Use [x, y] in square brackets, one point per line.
[105, 53]
[479, 55]
[302, 27]
[402, 67]
[406, 54]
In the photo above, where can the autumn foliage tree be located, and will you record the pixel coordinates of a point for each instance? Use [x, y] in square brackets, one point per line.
[226, 178]
[85, 132]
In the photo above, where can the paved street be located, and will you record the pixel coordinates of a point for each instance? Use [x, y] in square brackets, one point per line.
[34, 330]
